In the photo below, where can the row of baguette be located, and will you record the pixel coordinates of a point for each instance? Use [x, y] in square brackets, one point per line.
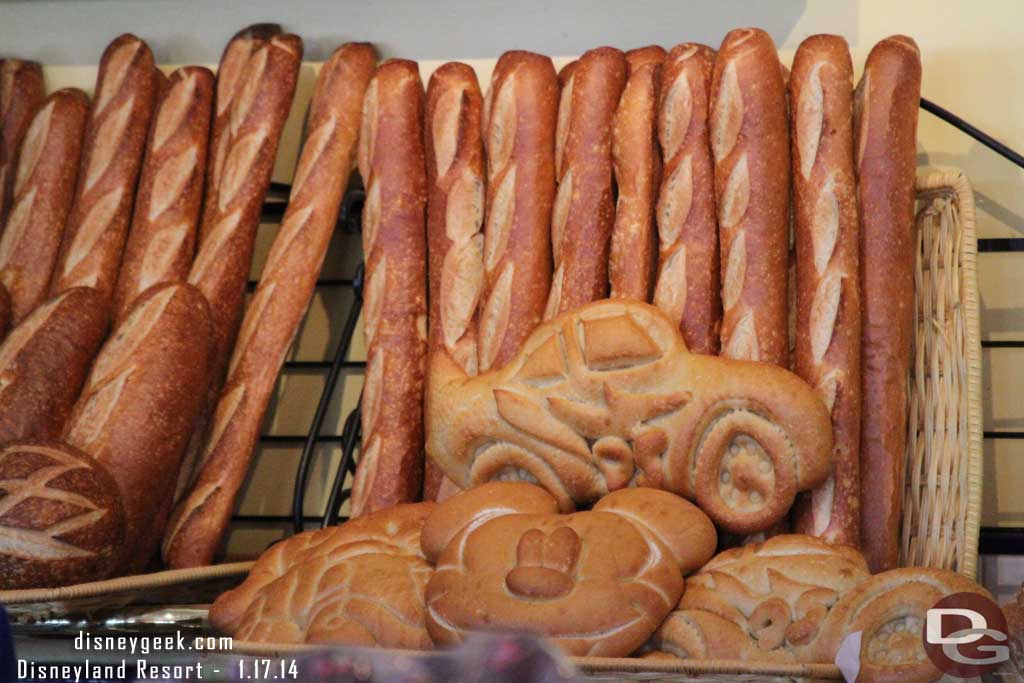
[542, 157]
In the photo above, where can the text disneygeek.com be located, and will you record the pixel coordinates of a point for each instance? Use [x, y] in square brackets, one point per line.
[146, 658]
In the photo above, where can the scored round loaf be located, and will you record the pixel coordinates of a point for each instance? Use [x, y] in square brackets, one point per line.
[597, 583]
[358, 584]
[61, 518]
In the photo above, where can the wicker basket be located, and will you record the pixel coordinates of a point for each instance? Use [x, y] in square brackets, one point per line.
[942, 493]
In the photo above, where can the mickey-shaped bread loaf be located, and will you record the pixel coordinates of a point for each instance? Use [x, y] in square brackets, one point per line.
[597, 583]
[357, 584]
[607, 396]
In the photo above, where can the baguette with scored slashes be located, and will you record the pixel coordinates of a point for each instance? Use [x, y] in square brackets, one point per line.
[22, 92]
[828, 309]
[391, 163]
[520, 113]
[687, 288]
[584, 210]
[161, 244]
[115, 136]
[44, 186]
[637, 165]
[749, 133]
[272, 319]
[885, 114]
[455, 210]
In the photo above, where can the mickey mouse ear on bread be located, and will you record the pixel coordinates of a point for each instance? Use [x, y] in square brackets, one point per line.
[477, 505]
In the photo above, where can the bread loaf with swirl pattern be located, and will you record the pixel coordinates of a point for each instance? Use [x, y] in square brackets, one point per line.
[44, 185]
[885, 115]
[161, 244]
[43, 362]
[749, 133]
[272, 319]
[827, 274]
[22, 92]
[139, 405]
[584, 210]
[115, 137]
[636, 161]
[61, 518]
[520, 111]
[391, 162]
[455, 212]
[687, 287]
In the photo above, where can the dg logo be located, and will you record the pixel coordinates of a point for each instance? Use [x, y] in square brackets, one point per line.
[965, 635]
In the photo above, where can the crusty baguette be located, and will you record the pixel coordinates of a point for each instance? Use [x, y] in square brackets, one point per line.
[391, 162]
[455, 211]
[584, 210]
[885, 113]
[22, 92]
[138, 406]
[827, 276]
[43, 189]
[161, 243]
[750, 144]
[637, 164]
[687, 288]
[286, 286]
[520, 113]
[230, 72]
[94, 237]
[44, 361]
[240, 162]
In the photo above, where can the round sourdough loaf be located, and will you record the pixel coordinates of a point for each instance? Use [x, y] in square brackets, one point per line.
[61, 519]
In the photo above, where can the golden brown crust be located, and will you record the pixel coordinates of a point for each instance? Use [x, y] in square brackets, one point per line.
[687, 288]
[44, 185]
[358, 584]
[391, 162]
[137, 409]
[115, 135]
[161, 243]
[61, 518]
[455, 212]
[520, 113]
[43, 362]
[607, 396]
[597, 583]
[637, 165]
[885, 154]
[827, 352]
[22, 92]
[584, 212]
[277, 307]
[750, 144]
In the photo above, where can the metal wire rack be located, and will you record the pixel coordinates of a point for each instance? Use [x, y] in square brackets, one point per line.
[994, 540]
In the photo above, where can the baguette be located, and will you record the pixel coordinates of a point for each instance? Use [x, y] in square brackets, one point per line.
[827, 352]
[5, 311]
[44, 361]
[750, 143]
[199, 523]
[233, 64]
[687, 288]
[520, 113]
[137, 409]
[22, 92]
[391, 162]
[240, 164]
[584, 212]
[115, 135]
[637, 165]
[455, 211]
[43, 189]
[161, 244]
[885, 112]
